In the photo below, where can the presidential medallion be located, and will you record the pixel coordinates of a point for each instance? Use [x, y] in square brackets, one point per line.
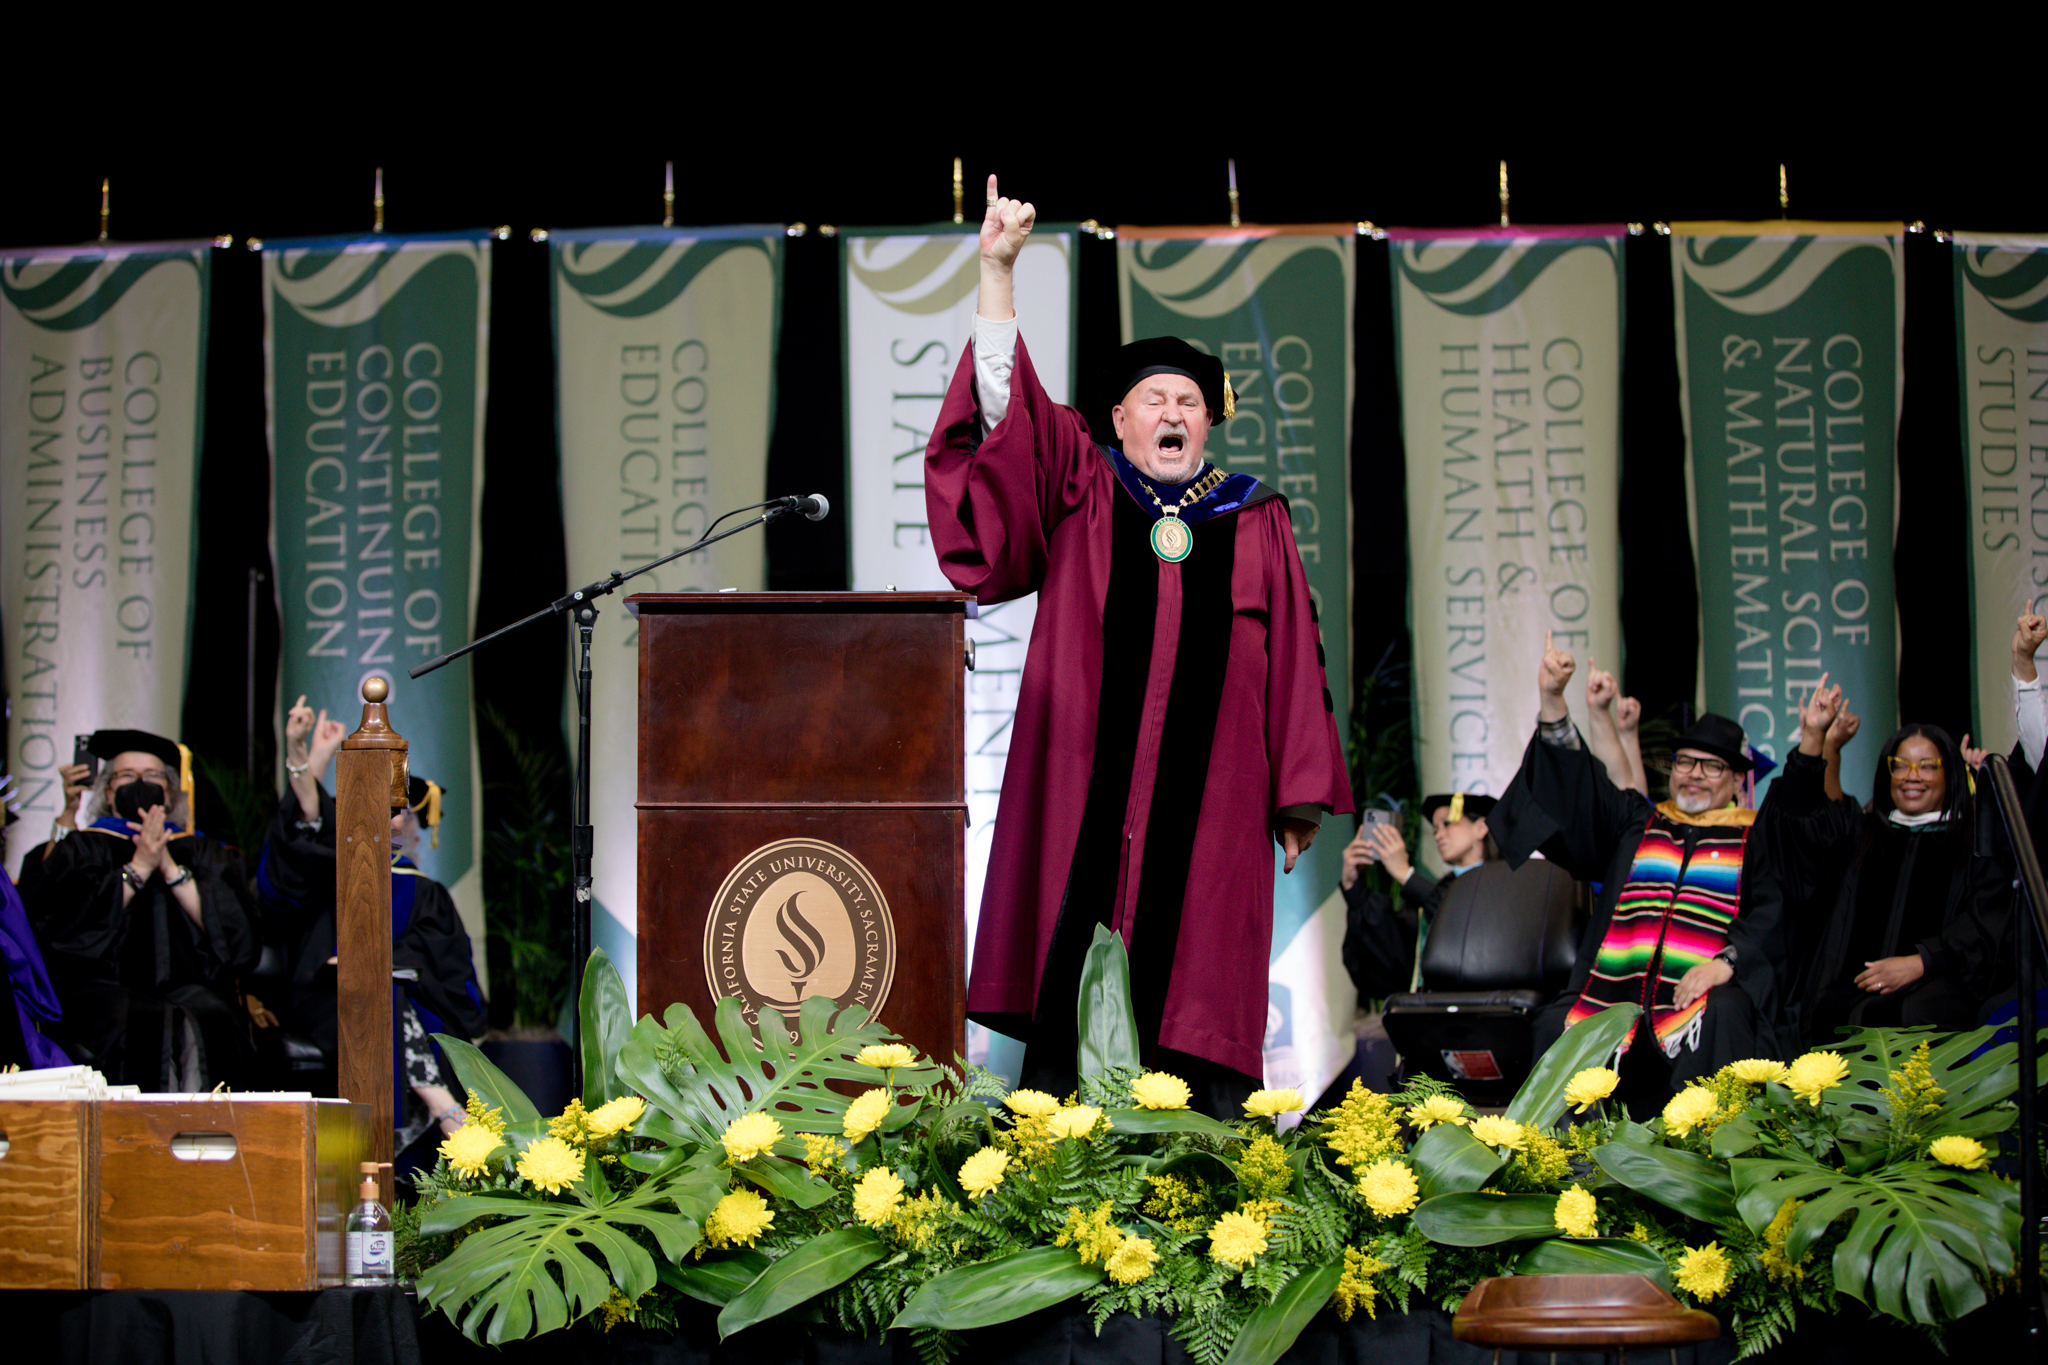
[1171, 539]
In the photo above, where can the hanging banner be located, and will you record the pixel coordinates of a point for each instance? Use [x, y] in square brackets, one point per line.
[665, 385]
[1790, 337]
[375, 350]
[1275, 304]
[2002, 349]
[102, 373]
[910, 297]
[1509, 346]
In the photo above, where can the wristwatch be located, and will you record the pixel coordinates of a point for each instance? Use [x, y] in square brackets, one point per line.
[173, 883]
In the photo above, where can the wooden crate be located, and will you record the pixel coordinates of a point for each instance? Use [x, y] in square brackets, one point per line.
[267, 1218]
[46, 1194]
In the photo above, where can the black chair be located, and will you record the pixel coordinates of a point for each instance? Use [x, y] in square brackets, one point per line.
[1500, 948]
[285, 1060]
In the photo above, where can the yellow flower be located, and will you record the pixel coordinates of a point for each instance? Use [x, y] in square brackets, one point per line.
[1158, 1090]
[983, 1171]
[470, 1147]
[1267, 1103]
[1780, 1267]
[1364, 1128]
[1263, 1169]
[1437, 1109]
[915, 1220]
[1757, 1071]
[615, 1116]
[1688, 1109]
[865, 1114]
[1703, 1272]
[1237, 1238]
[886, 1056]
[1967, 1153]
[493, 1119]
[739, 1219]
[551, 1164]
[1356, 1289]
[876, 1196]
[1575, 1212]
[1077, 1121]
[1032, 1104]
[1495, 1131]
[1094, 1236]
[821, 1152]
[1589, 1087]
[1132, 1261]
[570, 1124]
[1389, 1187]
[1815, 1074]
[748, 1136]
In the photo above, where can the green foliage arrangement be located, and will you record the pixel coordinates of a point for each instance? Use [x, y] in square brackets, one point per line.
[731, 1169]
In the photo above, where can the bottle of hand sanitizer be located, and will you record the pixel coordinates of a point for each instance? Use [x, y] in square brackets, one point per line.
[368, 1232]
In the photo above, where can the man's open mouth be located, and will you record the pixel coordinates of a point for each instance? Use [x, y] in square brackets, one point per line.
[1174, 444]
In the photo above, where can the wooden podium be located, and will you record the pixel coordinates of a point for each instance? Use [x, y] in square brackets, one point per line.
[802, 805]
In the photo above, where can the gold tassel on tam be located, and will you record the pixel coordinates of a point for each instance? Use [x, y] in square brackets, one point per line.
[185, 784]
[430, 813]
[1229, 398]
[1457, 811]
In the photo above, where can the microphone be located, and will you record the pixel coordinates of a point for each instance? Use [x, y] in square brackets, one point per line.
[814, 508]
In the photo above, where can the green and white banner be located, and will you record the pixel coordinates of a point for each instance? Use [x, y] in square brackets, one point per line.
[102, 376]
[665, 384]
[376, 349]
[910, 296]
[1789, 344]
[2002, 349]
[1509, 346]
[1276, 305]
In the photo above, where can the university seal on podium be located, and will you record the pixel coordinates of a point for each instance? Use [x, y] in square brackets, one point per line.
[799, 918]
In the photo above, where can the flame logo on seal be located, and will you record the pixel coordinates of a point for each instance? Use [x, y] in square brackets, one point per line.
[804, 939]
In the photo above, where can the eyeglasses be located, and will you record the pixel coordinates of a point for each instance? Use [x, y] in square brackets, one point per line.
[1708, 767]
[1915, 767]
[123, 776]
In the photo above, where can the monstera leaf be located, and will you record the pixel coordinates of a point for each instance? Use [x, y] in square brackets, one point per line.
[1915, 1229]
[1976, 1089]
[703, 1086]
[548, 1263]
[493, 1089]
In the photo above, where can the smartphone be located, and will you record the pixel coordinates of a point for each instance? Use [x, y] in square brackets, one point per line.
[81, 752]
[1370, 817]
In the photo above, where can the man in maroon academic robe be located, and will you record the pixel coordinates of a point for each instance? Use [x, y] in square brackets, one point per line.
[1173, 718]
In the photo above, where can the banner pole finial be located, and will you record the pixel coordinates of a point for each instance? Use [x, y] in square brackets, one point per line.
[1235, 221]
[1503, 191]
[668, 196]
[1784, 199]
[959, 193]
[105, 183]
[377, 202]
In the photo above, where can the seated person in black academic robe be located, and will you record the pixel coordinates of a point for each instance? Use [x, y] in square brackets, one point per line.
[1914, 927]
[1688, 917]
[428, 942]
[144, 924]
[1381, 947]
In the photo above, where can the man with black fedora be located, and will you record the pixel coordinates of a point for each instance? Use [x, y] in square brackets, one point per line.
[145, 924]
[1173, 722]
[1689, 922]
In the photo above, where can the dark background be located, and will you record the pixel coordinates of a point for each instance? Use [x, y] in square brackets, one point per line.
[1579, 151]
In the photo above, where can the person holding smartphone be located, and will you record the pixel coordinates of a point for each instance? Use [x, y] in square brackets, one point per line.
[1382, 940]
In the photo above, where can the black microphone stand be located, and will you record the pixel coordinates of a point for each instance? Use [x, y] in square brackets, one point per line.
[2032, 907]
[582, 604]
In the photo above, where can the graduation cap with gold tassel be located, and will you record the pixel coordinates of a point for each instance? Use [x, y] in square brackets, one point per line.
[423, 797]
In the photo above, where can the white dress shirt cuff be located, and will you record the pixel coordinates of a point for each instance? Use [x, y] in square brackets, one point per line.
[995, 355]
